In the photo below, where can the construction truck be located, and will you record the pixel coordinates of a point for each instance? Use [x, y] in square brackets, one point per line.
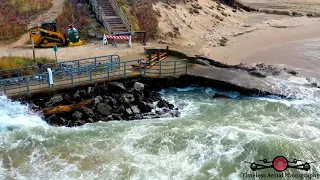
[47, 36]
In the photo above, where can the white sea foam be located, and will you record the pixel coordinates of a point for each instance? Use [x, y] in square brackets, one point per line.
[14, 115]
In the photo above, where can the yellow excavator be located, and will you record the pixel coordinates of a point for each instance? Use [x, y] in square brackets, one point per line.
[47, 36]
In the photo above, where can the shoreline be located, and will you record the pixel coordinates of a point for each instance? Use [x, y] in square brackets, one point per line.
[246, 45]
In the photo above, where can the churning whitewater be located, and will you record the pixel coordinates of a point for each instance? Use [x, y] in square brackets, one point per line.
[213, 139]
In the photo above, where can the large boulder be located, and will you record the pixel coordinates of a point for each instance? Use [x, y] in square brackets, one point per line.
[138, 96]
[163, 103]
[138, 86]
[126, 98]
[129, 111]
[52, 119]
[120, 109]
[98, 99]
[135, 109]
[145, 107]
[88, 112]
[54, 101]
[104, 109]
[116, 87]
[77, 115]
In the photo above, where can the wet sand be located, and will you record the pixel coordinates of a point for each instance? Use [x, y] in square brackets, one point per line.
[240, 48]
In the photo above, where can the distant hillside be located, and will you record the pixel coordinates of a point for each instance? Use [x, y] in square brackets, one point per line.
[16, 14]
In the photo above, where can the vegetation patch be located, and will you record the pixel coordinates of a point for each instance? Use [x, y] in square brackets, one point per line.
[11, 62]
[71, 15]
[16, 14]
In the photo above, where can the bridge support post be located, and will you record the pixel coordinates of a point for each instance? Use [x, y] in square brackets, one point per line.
[28, 88]
[160, 67]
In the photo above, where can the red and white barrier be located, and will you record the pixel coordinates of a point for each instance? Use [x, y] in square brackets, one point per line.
[118, 37]
[106, 37]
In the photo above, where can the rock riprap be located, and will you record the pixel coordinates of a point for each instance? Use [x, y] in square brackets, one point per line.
[113, 101]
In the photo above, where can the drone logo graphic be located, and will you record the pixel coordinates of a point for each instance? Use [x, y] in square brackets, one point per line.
[280, 163]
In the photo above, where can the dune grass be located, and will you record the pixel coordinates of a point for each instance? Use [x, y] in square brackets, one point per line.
[11, 62]
[71, 15]
[16, 14]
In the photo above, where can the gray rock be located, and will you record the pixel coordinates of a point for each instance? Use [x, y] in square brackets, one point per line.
[62, 120]
[77, 115]
[33, 106]
[90, 90]
[162, 103]
[99, 36]
[138, 116]
[98, 99]
[109, 118]
[290, 71]
[126, 98]
[258, 73]
[94, 25]
[138, 96]
[106, 100]
[135, 109]
[88, 112]
[116, 86]
[138, 86]
[79, 6]
[145, 107]
[91, 33]
[129, 111]
[104, 109]
[52, 118]
[90, 120]
[82, 93]
[245, 67]
[76, 96]
[203, 62]
[55, 100]
[112, 101]
[121, 109]
[68, 98]
[92, 15]
[313, 81]
[117, 117]
[175, 113]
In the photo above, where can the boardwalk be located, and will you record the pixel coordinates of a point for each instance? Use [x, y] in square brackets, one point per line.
[28, 85]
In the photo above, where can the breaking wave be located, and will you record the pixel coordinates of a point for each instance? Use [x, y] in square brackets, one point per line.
[211, 140]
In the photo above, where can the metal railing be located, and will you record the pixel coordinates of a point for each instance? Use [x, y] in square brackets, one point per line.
[79, 63]
[105, 21]
[16, 72]
[122, 15]
[63, 79]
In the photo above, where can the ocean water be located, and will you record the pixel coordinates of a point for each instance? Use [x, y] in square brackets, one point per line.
[213, 139]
